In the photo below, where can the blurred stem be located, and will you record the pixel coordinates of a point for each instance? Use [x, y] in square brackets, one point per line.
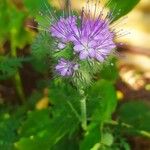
[101, 131]
[68, 7]
[17, 79]
[128, 126]
[83, 110]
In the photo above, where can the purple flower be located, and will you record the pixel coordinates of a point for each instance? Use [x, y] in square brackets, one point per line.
[91, 36]
[94, 40]
[63, 30]
[65, 67]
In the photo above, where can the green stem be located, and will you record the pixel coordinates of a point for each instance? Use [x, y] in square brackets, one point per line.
[83, 110]
[17, 79]
[128, 126]
[18, 85]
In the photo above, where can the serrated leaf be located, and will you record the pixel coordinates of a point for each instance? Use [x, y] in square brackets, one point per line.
[41, 47]
[41, 52]
[9, 66]
[46, 128]
[8, 131]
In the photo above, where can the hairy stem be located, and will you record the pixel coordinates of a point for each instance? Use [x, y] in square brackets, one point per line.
[83, 110]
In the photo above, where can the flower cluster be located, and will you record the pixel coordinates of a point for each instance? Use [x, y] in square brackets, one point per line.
[91, 38]
[66, 68]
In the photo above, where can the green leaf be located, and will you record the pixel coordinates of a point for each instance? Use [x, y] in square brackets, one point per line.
[41, 47]
[102, 101]
[33, 143]
[41, 50]
[91, 138]
[121, 7]
[45, 136]
[125, 145]
[66, 53]
[107, 139]
[32, 123]
[71, 143]
[8, 130]
[137, 114]
[40, 66]
[94, 139]
[34, 132]
[9, 66]
[46, 128]
[12, 118]
[109, 70]
[33, 6]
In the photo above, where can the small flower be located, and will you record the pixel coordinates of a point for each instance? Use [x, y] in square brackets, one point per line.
[63, 30]
[65, 67]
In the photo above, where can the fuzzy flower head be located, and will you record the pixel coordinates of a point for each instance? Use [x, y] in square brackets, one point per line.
[90, 36]
[94, 40]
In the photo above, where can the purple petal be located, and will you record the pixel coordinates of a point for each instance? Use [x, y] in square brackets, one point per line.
[91, 52]
[69, 72]
[63, 72]
[92, 43]
[99, 57]
[58, 67]
[78, 48]
[64, 28]
[83, 55]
